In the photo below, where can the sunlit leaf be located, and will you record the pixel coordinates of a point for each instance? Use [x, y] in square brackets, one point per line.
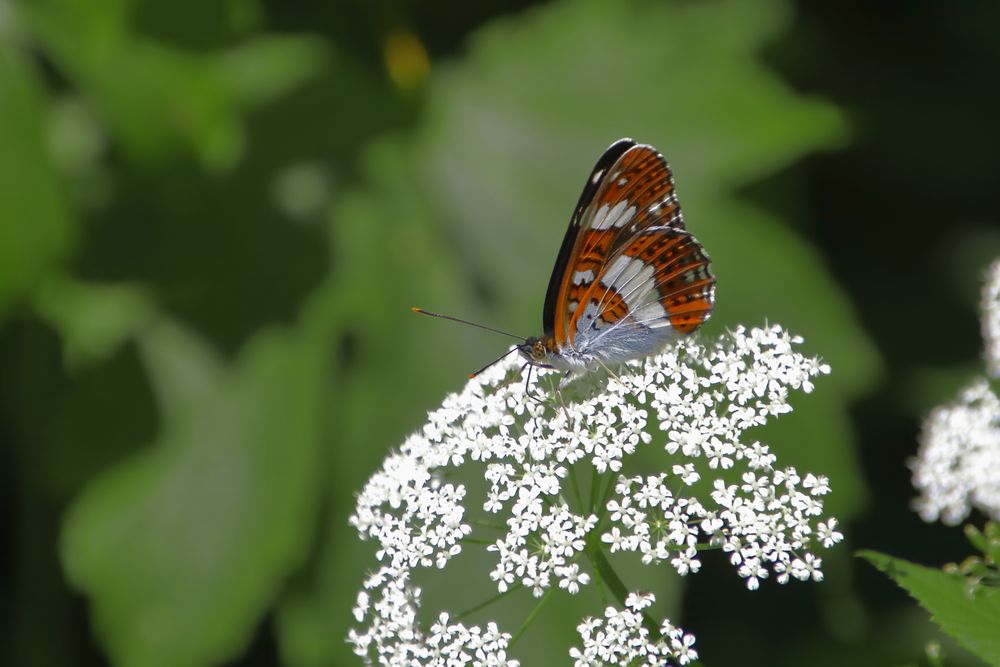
[973, 618]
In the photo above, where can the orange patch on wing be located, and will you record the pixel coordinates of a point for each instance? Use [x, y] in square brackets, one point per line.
[656, 249]
[682, 277]
[594, 249]
[687, 317]
[613, 307]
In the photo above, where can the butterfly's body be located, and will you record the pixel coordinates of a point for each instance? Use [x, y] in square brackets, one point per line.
[594, 352]
[629, 278]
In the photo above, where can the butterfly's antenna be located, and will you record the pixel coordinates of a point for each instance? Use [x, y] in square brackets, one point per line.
[471, 324]
[502, 356]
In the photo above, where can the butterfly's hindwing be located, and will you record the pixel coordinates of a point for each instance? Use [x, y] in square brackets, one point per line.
[655, 277]
[683, 287]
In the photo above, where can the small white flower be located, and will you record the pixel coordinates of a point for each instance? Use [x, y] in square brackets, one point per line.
[639, 600]
[571, 578]
[828, 534]
[686, 561]
[614, 539]
[686, 473]
[807, 568]
[361, 606]
[817, 486]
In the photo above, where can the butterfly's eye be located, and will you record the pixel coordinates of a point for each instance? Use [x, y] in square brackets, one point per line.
[538, 349]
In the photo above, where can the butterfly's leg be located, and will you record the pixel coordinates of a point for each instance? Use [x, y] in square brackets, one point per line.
[527, 383]
[566, 379]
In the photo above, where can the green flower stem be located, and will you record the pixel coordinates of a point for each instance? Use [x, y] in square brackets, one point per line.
[617, 586]
[483, 605]
[595, 483]
[531, 617]
[576, 487]
[604, 572]
[607, 492]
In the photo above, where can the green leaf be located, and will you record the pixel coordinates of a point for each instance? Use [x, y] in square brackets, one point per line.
[38, 230]
[183, 548]
[972, 619]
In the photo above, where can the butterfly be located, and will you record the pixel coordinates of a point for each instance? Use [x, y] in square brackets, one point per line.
[629, 278]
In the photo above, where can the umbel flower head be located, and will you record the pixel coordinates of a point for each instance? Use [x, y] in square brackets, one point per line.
[958, 464]
[561, 493]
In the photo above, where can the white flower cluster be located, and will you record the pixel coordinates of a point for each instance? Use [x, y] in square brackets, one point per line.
[702, 398]
[765, 522]
[957, 466]
[620, 638]
[991, 319]
[395, 634]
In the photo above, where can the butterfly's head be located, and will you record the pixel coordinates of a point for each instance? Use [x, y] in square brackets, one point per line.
[536, 349]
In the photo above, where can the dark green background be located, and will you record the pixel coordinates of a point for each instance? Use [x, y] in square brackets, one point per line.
[215, 216]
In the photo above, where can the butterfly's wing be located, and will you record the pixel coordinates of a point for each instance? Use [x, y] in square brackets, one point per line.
[555, 316]
[656, 287]
[635, 277]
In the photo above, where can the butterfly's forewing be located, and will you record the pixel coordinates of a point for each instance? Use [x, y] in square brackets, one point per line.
[554, 315]
[635, 275]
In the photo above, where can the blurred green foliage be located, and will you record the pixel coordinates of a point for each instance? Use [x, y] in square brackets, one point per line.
[215, 216]
[38, 227]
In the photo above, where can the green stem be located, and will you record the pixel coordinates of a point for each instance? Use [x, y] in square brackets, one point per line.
[576, 487]
[595, 483]
[482, 605]
[607, 493]
[483, 523]
[531, 617]
[618, 588]
[598, 580]
[476, 540]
